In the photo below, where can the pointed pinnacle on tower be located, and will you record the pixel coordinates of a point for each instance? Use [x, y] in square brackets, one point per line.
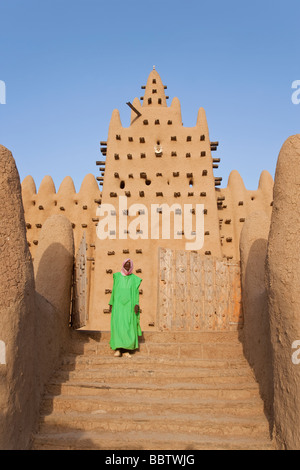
[154, 91]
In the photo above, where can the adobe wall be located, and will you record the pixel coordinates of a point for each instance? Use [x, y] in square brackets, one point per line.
[182, 172]
[53, 268]
[283, 280]
[255, 335]
[236, 203]
[34, 310]
[79, 208]
[17, 314]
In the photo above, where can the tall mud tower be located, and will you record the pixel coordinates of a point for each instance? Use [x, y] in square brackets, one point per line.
[156, 161]
[162, 206]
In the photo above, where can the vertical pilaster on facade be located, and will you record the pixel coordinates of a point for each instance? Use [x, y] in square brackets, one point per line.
[115, 121]
[176, 119]
[28, 188]
[235, 209]
[66, 190]
[202, 124]
[46, 191]
[265, 185]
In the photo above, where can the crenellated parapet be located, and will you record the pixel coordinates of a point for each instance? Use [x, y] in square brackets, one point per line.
[79, 208]
[235, 204]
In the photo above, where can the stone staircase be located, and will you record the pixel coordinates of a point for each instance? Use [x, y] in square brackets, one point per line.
[180, 391]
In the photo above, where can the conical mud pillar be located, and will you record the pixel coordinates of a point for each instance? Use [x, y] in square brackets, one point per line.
[283, 281]
[256, 331]
[17, 314]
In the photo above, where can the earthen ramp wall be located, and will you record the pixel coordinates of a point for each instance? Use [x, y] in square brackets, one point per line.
[283, 281]
[17, 314]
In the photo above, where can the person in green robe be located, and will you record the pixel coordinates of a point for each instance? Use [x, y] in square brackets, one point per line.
[125, 310]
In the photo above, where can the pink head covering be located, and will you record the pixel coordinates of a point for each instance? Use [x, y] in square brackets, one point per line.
[123, 270]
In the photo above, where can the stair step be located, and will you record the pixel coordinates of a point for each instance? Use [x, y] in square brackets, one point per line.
[185, 423]
[152, 377]
[185, 337]
[230, 391]
[110, 404]
[72, 360]
[179, 391]
[83, 440]
[172, 350]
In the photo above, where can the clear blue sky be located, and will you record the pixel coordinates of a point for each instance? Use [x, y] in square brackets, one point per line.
[68, 63]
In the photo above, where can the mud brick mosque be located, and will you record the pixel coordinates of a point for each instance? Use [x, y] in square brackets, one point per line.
[154, 161]
[223, 281]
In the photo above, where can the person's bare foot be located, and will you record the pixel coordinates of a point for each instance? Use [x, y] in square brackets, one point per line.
[127, 354]
[117, 353]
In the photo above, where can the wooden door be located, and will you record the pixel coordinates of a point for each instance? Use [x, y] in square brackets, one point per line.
[197, 292]
[79, 314]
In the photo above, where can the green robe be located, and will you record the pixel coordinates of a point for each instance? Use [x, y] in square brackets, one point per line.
[125, 323]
